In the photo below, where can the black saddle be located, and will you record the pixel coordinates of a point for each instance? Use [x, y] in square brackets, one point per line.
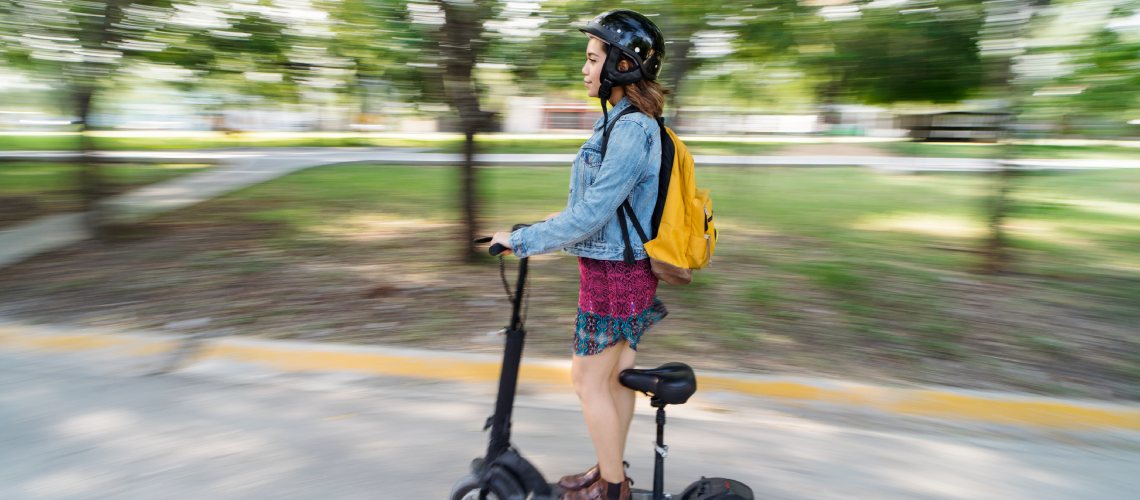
[671, 383]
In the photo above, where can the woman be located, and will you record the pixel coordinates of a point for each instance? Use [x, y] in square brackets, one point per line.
[617, 299]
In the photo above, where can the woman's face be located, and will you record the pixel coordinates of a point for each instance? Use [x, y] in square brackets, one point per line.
[592, 70]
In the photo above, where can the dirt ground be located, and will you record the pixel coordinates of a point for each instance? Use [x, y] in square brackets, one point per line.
[194, 273]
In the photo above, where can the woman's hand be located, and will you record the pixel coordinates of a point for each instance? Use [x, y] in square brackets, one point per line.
[502, 238]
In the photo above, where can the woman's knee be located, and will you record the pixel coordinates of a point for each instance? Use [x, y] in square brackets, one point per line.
[587, 383]
[593, 376]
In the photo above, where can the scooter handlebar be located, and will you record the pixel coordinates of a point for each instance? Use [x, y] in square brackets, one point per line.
[498, 248]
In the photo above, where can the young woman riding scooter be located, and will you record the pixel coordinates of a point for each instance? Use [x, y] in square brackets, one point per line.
[617, 299]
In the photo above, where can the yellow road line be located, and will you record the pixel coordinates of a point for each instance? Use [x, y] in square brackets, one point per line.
[289, 356]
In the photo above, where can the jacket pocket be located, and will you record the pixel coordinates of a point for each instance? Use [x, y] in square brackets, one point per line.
[591, 164]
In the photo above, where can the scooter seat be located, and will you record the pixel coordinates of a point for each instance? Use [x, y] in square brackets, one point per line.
[671, 383]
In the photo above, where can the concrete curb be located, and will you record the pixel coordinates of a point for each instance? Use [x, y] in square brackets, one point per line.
[292, 356]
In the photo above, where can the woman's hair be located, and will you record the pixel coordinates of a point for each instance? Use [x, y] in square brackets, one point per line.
[647, 95]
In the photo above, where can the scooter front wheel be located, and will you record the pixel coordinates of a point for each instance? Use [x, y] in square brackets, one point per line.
[499, 487]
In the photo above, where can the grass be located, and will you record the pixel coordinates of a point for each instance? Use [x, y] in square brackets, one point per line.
[984, 150]
[489, 144]
[836, 276]
[835, 271]
[495, 145]
[31, 189]
[176, 141]
[29, 178]
[761, 293]
[859, 219]
[507, 144]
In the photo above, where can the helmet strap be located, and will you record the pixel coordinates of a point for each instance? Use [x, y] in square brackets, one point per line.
[603, 92]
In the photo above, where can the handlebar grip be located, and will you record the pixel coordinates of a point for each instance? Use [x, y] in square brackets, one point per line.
[496, 249]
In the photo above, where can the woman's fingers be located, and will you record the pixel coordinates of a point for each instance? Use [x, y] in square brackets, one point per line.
[504, 239]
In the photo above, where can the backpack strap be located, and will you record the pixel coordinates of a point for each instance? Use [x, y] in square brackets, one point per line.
[665, 175]
[628, 254]
[621, 213]
[606, 131]
[636, 224]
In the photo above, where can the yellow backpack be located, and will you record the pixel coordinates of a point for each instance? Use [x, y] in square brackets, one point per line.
[684, 234]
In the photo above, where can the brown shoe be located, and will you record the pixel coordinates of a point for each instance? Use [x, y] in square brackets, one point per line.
[597, 491]
[579, 480]
[582, 479]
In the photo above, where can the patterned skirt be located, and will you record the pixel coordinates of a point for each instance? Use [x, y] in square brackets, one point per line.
[616, 301]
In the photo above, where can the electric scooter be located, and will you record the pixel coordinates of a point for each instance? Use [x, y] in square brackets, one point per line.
[503, 474]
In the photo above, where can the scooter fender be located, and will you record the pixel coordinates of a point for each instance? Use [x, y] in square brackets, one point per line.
[525, 473]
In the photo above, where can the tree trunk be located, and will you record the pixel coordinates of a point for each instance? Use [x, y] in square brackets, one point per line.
[96, 32]
[470, 198]
[680, 63]
[996, 255]
[1013, 27]
[462, 32]
[91, 185]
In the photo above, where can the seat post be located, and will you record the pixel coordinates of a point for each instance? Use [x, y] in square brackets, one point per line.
[661, 449]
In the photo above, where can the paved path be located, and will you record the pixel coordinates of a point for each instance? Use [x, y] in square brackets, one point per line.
[236, 170]
[241, 168]
[416, 157]
[77, 425]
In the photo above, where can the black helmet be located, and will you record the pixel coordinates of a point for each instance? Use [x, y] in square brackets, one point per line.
[631, 35]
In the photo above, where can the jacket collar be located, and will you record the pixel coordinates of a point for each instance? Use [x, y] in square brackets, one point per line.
[618, 108]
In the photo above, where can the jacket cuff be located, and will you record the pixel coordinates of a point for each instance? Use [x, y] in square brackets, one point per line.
[518, 247]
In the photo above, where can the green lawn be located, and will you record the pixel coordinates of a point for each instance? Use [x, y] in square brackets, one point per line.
[859, 213]
[206, 141]
[983, 150]
[494, 143]
[487, 144]
[832, 271]
[569, 146]
[880, 266]
[30, 189]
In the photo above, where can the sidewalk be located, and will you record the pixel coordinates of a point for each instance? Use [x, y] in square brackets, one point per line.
[163, 353]
[409, 156]
[81, 425]
[236, 170]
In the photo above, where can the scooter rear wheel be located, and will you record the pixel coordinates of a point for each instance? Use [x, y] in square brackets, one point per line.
[500, 487]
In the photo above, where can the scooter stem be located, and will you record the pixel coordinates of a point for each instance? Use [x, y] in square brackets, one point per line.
[509, 377]
[662, 451]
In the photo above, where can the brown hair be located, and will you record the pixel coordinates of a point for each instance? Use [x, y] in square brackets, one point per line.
[646, 95]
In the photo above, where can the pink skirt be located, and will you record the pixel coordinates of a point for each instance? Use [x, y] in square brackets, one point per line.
[616, 301]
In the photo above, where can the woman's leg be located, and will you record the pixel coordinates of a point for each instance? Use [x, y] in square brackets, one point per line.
[591, 376]
[624, 398]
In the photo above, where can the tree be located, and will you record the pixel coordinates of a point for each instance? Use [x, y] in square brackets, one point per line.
[440, 44]
[1106, 74]
[922, 51]
[1007, 26]
[390, 52]
[83, 45]
[461, 46]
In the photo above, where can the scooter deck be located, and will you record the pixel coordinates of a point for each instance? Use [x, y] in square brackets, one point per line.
[635, 494]
[639, 494]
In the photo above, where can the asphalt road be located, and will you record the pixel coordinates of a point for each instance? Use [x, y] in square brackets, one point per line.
[85, 426]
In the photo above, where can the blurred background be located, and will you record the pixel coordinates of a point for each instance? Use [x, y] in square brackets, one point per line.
[983, 235]
[875, 68]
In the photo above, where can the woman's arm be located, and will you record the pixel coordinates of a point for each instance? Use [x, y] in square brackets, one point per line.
[624, 164]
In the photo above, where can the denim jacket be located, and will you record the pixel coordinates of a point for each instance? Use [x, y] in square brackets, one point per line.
[588, 227]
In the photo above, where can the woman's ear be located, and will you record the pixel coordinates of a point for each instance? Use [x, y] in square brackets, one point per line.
[624, 65]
